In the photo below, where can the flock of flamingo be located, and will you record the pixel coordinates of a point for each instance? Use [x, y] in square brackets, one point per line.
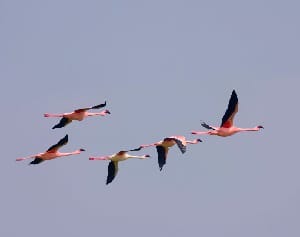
[227, 128]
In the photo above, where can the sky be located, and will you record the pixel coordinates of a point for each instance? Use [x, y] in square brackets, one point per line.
[163, 67]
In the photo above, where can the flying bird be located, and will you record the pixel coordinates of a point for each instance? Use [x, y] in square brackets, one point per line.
[114, 161]
[227, 128]
[162, 147]
[78, 114]
[51, 153]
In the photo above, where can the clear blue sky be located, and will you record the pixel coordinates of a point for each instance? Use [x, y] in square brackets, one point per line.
[163, 66]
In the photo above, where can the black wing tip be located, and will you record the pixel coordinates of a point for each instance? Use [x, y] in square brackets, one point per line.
[36, 161]
[65, 139]
[99, 106]
[205, 125]
[111, 172]
[56, 126]
[161, 156]
[234, 94]
[62, 123]
[136, 149]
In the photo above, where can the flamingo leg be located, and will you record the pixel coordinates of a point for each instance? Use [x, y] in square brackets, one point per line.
[98, 158]
[25, 158]
[201, 133]
[53, 115]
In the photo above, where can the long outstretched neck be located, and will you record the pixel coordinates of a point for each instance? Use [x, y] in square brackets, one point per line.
[138, 157]
[249, 129]
[70, 153]
[102, 113]
[195, 141]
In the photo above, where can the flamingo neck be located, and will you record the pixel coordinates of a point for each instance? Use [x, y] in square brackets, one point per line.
[69, 153]
[138, 157]
[248, 129]
[195, 141]
[102, 113]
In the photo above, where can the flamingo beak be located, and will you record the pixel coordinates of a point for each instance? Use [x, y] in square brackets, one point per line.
[260, 126]
[81, 149]
[147, 156]
[199, 140]
[107, 111]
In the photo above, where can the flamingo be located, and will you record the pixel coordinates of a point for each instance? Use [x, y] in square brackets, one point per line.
[51, 153]
[163, 146]
[114, 161]
[78, 114]
[227, 128]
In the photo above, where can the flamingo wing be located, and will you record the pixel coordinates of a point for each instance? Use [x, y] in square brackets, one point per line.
[121, 153]
[58, 145]
[136, 149]
[181, 145]
[162, 156]
[232, 109]
[36, 161]
[205, 125]
[93, 107]
[99, 106]
[63, 122]
[112, 171]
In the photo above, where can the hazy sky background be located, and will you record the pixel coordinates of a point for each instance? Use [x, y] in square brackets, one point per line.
[163, 66]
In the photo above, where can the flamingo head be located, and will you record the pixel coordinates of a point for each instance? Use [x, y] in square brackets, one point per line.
[81, 149]
[259, 126]
[147, 156]
[198, 140]
[107, 111]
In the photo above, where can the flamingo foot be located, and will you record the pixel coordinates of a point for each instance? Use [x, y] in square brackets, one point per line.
[20, 159]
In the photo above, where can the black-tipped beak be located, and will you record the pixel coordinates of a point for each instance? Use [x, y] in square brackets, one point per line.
[199, 140]
[147, 156]
[260, 126]
[108, 112]
[81, 149]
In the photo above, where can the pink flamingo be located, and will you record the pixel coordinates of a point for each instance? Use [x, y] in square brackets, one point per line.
[163, 146]
[78, 114]
[114, 161]
[51, 153]
[227, 128]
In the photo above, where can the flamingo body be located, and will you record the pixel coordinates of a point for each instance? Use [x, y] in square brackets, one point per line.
[227, 127]
[52, 152]
[78, 114]
[162, 147]
[113, 165]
